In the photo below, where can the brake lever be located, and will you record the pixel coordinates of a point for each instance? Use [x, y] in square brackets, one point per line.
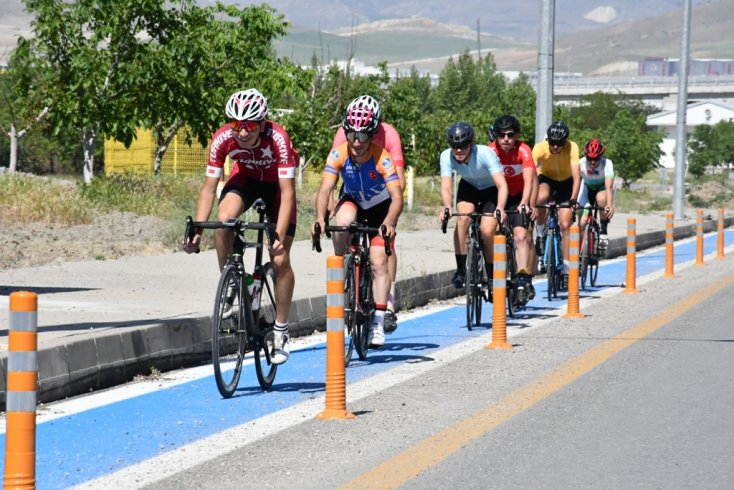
[190, 231]
[386, 240]
[445, 220]
[316, 242]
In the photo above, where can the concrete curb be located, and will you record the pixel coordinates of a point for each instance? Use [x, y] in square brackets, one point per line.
[113, 358]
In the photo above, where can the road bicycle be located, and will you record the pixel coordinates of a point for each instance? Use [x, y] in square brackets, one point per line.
[477, 282]
[553, 253]
[589, 252]
[359, 305]
[512, 279]
[244, 314]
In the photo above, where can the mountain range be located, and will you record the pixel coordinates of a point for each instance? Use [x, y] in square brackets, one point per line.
[592, 37]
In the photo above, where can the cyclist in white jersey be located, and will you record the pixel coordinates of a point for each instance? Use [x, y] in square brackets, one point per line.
[482, 188]
[597, 175]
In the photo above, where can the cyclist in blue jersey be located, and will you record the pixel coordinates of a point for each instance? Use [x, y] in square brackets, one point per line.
[371, 193]
[482, 188]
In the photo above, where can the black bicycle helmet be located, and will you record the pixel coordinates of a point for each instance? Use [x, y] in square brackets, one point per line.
[460, 135]
[594, 149]
[506, 123]
[558, 131]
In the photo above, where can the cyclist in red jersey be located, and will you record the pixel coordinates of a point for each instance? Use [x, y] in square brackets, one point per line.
[264, 164]
[388, 138]
[518, 166]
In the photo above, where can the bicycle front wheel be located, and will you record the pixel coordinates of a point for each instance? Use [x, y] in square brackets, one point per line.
[364, 322]
[586, 244]
[350, 307]
[473, 285]
[229, 340]
[550, 265]
[511, 279]
[594, 257]
[264, 318]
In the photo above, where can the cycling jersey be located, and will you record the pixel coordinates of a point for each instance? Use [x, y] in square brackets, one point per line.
[478, 171]
[513, 163]
[386, 136]
[273, 158]
[366, 183]
[595, 179]
[556, 166]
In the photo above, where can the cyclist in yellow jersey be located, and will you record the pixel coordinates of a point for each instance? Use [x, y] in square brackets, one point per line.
[559, 175]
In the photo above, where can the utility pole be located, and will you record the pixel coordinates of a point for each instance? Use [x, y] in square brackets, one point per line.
[479, 42]
[544, 100]
[681, 137]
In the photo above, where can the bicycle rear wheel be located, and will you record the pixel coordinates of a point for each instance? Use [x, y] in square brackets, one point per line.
[264, 317]
[229, 340]
[366, 309]
[473, 285]
[350, 307]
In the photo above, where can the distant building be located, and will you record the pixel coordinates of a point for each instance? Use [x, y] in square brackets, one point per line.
[669, 67]
[697, 113]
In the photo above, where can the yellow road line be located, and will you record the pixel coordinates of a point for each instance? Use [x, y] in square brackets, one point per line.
[431, 451]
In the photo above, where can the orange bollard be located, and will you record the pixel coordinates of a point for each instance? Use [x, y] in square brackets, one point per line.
[573, 274]
[631, 286]
[699, 237]
[336, 377]
[499, 293]
[669, 251]
[720, 241]
[20, 439]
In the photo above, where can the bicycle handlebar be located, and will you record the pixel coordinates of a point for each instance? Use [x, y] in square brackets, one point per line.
[351, 228]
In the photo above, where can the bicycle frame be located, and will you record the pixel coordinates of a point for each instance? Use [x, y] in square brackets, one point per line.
[589, 251]
[359, 302]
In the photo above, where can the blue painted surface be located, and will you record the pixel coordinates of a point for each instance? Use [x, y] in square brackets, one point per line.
[84, 446]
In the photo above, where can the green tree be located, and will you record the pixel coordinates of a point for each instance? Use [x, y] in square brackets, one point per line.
[621, 125]
[208, 55]
[711, 146]
[86, 52]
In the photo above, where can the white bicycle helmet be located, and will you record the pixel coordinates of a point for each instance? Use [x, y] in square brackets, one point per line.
[365, 102]
[247, 105]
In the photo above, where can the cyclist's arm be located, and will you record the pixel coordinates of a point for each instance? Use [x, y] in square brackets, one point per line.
[287, 205]
[576, 175]
[447, 195]
[322, 197]
[207, 194]
[501, 183]
[393, 212]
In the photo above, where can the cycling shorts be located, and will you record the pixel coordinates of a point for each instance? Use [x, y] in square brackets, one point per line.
[484, 200]
[374, 217]
[588, 195]
[250, 190]
[561, 188]
[513, 204]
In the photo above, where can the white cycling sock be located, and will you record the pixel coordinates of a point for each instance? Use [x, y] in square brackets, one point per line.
[540, 229]
[379, 318]
[280, 327]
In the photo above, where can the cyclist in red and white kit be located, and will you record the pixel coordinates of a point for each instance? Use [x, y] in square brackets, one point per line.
[264, 165]
[516, 159]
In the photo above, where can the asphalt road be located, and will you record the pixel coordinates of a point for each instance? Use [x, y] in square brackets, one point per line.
[637, 394]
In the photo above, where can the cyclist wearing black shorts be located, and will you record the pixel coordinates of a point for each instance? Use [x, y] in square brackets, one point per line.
[264, 164]
[558, 168]
[482, 188]
[372, 193]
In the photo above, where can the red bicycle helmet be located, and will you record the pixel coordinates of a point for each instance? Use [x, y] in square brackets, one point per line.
[594, 149]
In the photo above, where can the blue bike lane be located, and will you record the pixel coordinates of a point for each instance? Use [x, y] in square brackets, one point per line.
[77, 448]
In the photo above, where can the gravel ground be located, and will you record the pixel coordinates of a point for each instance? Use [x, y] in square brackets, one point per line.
[109, 237]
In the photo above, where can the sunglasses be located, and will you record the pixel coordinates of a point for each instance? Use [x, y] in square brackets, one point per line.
[359, 136]
[556, 143]
[460, 146]
[248, 126]
[508, 134]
